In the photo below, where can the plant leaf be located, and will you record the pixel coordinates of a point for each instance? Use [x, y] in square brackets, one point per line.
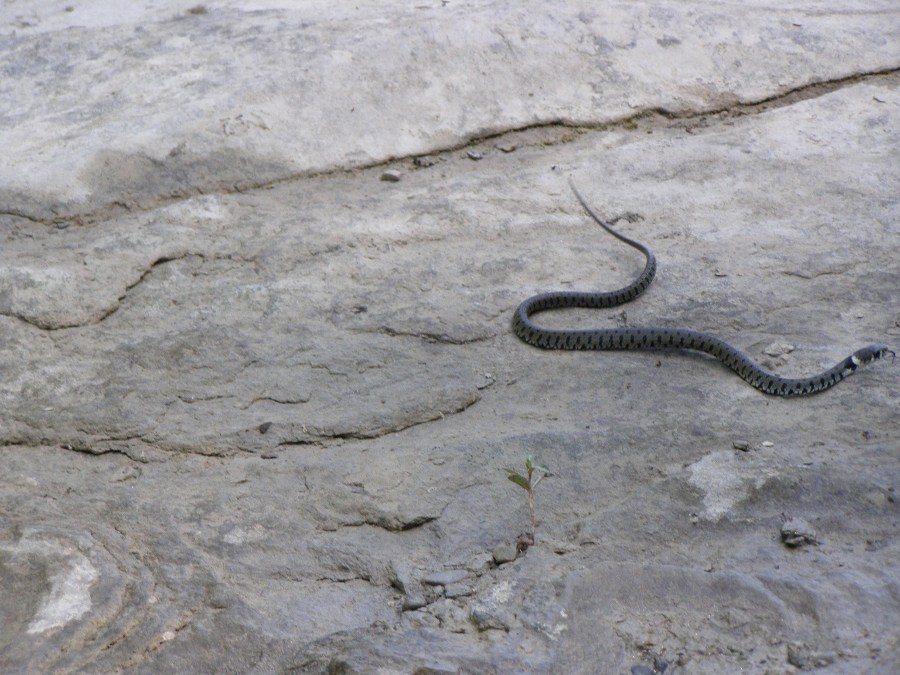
[519, 480]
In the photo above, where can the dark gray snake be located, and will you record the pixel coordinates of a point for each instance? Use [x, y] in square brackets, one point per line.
[666, 338]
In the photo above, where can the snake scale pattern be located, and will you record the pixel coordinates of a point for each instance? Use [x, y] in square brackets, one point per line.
[666, 338]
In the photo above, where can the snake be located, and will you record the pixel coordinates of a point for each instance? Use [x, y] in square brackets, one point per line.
[655, 338]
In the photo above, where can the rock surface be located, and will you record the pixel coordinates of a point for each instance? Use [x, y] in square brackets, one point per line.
[253, 396]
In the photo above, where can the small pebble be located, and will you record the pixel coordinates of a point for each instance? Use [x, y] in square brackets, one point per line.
[563, 547]
[480, 563]
[740, 445]
[797, 654]
[504, 553]
[506, 147]
[484, 618]
[401, 578]
[797, 532]
[445, 578]
[822, 659]
[778, 349]
[474, 154]
[641, 669]
[425, 161]
[413, 602]
[767, 444]
[264, 427]
[391, 176]
[457, 590]
[269, 455]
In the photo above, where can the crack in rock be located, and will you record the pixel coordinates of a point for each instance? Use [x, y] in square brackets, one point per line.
[52, 321]
[117, 207]
[440, 338]
[374, 429]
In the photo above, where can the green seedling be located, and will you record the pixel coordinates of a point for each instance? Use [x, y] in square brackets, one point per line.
[534, 474]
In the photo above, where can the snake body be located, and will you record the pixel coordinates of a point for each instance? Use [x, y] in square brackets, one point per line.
[666, 338]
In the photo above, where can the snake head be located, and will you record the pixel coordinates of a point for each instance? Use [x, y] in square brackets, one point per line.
[871, 353]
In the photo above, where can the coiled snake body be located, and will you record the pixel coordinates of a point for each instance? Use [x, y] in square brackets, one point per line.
[666, 338]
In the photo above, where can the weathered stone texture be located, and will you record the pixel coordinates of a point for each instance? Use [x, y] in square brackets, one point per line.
[256, 400]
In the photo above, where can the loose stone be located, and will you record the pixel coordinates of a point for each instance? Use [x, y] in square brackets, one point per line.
[741, 445]
[797, 654]
[445, 578]
[778, 349]
[480, 563]
[820, 660]
[484, 619]
[504, 553]
[414, 601]
[391, 176]
[474, 154]
[400, 578]
[797, 532]
[457, 590]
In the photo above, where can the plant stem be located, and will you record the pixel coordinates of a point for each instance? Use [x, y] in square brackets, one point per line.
[531, 511]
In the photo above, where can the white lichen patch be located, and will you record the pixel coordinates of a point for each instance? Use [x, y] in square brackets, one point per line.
[726, 479]
[717, 476]
[70, 591]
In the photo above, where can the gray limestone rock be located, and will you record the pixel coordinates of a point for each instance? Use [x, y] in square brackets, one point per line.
[255, 401]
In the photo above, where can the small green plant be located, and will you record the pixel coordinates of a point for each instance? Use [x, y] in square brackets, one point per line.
[534, 474]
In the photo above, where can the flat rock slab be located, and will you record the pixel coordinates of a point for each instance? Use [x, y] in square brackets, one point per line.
[103, 108]
[254, 418]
